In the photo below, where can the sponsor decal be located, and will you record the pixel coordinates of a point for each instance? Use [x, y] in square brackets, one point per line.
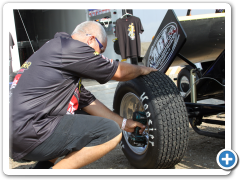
[15, 81]
[21, 71]
[163, 46]
[24, 67]
[73, 105]
[110, 60]
[14, 84]
[96, 53]
[131, 31]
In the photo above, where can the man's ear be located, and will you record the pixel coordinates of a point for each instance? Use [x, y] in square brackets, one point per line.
[90, 39]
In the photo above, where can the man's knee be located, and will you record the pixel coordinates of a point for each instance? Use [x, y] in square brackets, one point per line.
[118, 138]
[112, 144]
[114, 132]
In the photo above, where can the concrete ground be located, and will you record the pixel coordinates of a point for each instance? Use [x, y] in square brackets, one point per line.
[103, 93]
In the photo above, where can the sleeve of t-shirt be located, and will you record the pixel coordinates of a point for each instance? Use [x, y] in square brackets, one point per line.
[140, 27]
[79, 59]
[86, 97]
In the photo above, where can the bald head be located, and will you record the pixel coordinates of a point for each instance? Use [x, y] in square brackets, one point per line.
[93, 28]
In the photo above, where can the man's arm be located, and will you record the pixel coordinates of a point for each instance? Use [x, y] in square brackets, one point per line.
[96, 108]
[128, 71]
[124, 72]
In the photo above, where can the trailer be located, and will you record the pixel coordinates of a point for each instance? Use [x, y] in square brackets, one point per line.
[167, 110]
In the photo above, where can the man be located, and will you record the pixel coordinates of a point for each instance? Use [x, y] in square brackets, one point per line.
[47, 91]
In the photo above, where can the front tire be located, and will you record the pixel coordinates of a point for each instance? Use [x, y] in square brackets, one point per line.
[167, 128]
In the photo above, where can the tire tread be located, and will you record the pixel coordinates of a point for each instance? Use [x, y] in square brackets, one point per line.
[172, 118]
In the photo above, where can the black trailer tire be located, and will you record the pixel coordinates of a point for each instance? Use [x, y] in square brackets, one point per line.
[183, 80]
[167, 128]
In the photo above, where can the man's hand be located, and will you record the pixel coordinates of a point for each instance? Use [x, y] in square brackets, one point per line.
[147, 70]
[96, 108]
[131, 125]
[128, 71]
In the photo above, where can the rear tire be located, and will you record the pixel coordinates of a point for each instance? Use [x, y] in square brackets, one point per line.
[167, 129]
[183, 80]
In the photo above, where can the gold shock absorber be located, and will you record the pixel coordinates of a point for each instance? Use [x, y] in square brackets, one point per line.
[193, 86]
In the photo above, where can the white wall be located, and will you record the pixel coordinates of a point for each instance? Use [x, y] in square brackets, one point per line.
[14, 51]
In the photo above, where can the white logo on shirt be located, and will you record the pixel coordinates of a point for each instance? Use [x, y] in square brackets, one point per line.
[131, 31]
[71, 109]
[110, 60]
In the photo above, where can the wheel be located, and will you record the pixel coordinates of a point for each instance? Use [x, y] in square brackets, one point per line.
[167, 127]
[183, 80]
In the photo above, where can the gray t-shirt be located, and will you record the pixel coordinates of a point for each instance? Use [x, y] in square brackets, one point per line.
[127, 31]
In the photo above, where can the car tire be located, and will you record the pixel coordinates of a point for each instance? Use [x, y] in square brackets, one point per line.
[167, 128]
[183, 80]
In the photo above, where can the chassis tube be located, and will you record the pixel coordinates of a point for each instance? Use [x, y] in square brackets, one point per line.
[193, 86]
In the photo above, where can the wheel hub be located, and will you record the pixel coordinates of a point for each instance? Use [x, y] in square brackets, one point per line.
[129, 104]
[184, 84]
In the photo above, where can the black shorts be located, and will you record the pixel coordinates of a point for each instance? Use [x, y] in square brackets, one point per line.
[72, 134]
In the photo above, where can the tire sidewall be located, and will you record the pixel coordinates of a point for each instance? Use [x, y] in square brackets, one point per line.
[184, 72]
[142, 92]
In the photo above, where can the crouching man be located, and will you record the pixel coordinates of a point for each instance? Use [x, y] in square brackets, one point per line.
[48, 90]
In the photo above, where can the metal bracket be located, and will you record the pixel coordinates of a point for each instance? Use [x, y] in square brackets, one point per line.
[193, 86]
[197, 111]
[205, 133]
[187, 61]
[198, 71]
